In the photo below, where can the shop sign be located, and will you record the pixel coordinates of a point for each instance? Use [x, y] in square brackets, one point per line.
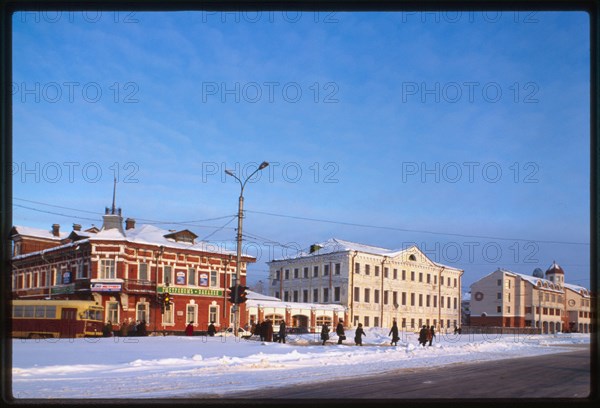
[105, 287]
[190, 291]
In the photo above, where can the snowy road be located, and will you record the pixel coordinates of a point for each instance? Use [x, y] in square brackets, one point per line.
[167, 367]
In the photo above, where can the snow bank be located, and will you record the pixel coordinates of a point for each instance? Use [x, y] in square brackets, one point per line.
[153, 367]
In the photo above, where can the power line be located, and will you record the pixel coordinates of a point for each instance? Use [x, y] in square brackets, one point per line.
[412, 230]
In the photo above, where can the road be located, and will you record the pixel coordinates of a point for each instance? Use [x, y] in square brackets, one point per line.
[560, 375]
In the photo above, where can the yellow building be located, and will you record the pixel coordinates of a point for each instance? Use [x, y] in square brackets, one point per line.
[545, 302]
[375, 285]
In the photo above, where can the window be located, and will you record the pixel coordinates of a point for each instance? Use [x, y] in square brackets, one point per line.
[428, 278]
[456, 304]
[213, 314]
[367, 295]
[277, 274]
[448, 302]
[325, 295]
[167, 275]
[287, 274]
[385, 297]
[337, 294]
[386, 272]
[507, 284]
[434, 300]
[286, 296]
[366, 321]
[420, 276]
[356, 267]
[168, 317]
[305, 295]
[295, 295]
[499, 309]
[214, 278]
[412, 276]
[456, 283]
[508, 297]
[296, 273]
[305, 272]
[112, 312]
[428, 300]
[395, 276]
[376, 296]
[107, 269]
[316, 295]
[435, 279]
[403, 274]
[449, 281]
[376, 321]
[499, 295]
[141, 312]
[412, 323]
[338, 268]
[143, 272]
[357, 294]
[192, 277]
[321, 320]
[376, 270]
[441, 301]
[325, 270]
[395, 298]
[367, 269]
[420, 300]
[499, 282]
[412, 299]
[315, 271]
[403, 298]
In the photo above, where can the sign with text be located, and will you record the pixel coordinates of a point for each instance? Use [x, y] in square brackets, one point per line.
[190, 291]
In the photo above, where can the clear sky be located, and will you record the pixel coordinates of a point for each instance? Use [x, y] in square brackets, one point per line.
[466, 133]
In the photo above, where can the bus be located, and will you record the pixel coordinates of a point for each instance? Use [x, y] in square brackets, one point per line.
[56, 319]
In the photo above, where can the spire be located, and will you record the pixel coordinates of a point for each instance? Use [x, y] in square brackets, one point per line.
[113, 209]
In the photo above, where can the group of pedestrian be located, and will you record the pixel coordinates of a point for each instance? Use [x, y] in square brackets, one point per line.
[189, 329]
[128, 328]
[426, 335]
[264, 330]
[341, 333]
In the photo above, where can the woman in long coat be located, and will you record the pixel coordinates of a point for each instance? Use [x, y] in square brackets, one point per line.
[358, 335]
[339, 330]
[394, 333]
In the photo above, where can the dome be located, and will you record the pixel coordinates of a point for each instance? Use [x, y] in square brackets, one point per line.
[555, 268]
[538, 273]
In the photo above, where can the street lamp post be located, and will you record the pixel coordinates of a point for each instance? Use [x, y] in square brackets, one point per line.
[238, 271]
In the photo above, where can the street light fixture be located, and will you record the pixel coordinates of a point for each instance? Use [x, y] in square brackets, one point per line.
[238, 271]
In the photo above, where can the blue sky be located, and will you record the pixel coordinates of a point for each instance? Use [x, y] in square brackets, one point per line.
[466, 133]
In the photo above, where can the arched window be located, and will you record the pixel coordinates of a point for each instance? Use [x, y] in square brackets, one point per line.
[412, 257]
[321, 320]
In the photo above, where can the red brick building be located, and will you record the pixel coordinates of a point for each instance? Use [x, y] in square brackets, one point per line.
[126, 269]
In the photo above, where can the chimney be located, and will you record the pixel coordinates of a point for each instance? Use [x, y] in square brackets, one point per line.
[56, 230]
[129, 223]
[76, 227]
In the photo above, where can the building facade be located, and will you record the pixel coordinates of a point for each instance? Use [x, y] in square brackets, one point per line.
[309, 316]
[544, 302]
[375, 285]
[127, 270]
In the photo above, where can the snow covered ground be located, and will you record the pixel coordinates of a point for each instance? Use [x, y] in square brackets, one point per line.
[168, 367]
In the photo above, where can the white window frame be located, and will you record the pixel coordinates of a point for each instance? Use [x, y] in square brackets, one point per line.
[108, 269]
[168, 317]
[192, 278]
[146, 267]
[191, 310]
[145, 310]
[109, 315]
[168, 274]
[213, 314]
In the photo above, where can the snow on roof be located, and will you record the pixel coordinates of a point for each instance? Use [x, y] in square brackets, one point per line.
[334, 245]
[255, 299]
[143, 234]
[577, 288]
[529, 278]
[39, 233]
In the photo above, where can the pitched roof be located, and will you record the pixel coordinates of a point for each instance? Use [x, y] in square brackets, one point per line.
[38, 233]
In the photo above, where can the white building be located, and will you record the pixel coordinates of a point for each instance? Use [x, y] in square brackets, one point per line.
[376, 285]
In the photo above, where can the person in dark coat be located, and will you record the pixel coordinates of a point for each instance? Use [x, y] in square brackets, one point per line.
[394, 333]
[281, 337]
[358, 335]
[431, 334]
[339, 330]
[268, 330]
[189, 330]
[211, 329]
[107, 329]
[423, 336]
[140, 329]
[260, 330]
[325, 333]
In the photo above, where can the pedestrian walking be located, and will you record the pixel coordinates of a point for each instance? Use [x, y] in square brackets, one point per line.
[189, 330]
[281, 337]
[358, 335]
[140, 329]
[431, 334]
[339, 330]
[423, 336]
[325, 333]
[394, 333]
[260, 330]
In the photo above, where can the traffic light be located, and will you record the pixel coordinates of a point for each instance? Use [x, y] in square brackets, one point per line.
[242, 295]
[232, 298]
[167, 300]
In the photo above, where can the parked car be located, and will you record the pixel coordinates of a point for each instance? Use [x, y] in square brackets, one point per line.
[241, 332]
